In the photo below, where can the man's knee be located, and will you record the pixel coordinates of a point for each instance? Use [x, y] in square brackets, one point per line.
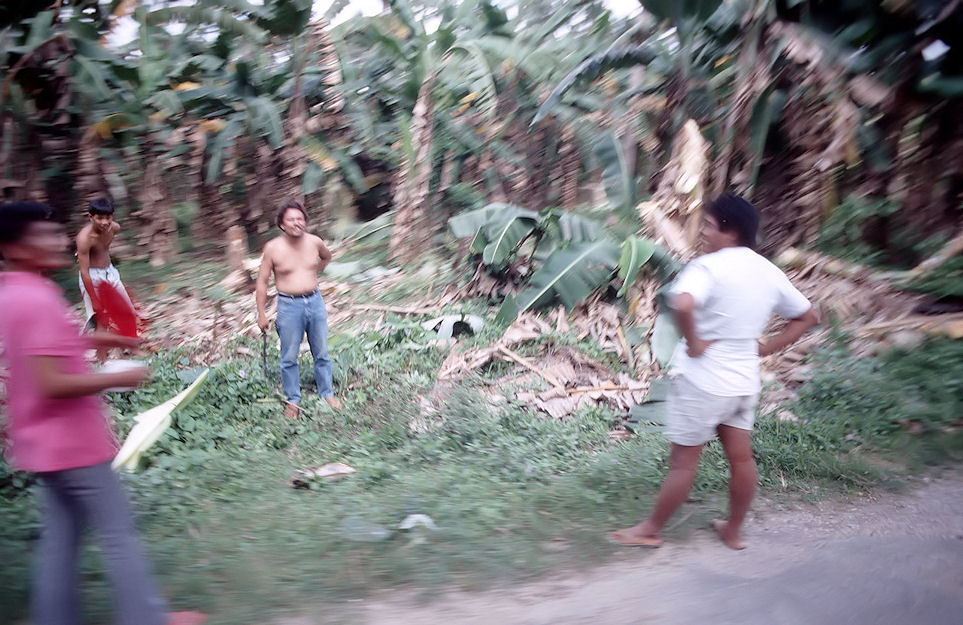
[290, 348]
[684, 457]
[289, 359]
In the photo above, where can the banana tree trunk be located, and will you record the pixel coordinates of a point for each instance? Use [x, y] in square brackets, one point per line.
[411, 232]
[570, 164]
[628, 125]
[159, 234]
[20, 163]
[755, 75]
[59, 154]
[263, 192]
[196, 137]
[215, 213]
[291, 156]
[91, 180]
[330, 64]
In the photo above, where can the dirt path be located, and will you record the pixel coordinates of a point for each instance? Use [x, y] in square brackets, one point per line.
[887, 559]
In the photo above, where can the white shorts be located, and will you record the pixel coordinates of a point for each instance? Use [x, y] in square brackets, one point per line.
[694, 415]
[98, 275]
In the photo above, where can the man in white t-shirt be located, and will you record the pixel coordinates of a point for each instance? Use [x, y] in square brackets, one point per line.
[722, 302]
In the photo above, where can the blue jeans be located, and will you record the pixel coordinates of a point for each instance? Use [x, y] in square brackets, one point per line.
[297, 315]
[71, 500]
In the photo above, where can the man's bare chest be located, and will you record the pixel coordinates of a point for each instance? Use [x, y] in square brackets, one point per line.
[294, 260]
[99, 246]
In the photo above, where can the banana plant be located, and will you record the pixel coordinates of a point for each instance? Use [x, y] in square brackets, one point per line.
[569, 274]
[573, 255]
[688, 60]
[476, 60]
[456, 57]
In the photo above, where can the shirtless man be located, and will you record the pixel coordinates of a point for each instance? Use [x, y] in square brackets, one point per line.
[93, 255]
[295, 258]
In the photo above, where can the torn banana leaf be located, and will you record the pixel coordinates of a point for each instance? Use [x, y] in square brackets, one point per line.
[150, 424]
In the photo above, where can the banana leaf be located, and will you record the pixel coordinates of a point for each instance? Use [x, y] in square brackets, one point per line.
[218, 148]
[665, 337]
[478, 72]
[166, 102]
[620, 183]
[569, 274]
[506, 239]
[95, 74]
[592, 68]
[573, 228]
[667, 265]
[677, 11]
[335, 9]
[765, 112]
[469, 223]
[378, 229]
[265, 117]
[151, 424]
[311, 178]
[636, 251]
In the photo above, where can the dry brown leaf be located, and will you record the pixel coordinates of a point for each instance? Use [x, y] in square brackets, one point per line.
[561, 320]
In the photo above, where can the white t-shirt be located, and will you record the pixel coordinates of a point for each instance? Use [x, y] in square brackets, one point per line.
[736, 291]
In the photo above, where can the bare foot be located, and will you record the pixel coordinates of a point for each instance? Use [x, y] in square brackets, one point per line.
[291, 410]
[731, 539]
[636, 536]
[333, 402]
[186, 618]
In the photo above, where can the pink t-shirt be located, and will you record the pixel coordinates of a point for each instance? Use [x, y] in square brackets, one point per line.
[44, 433]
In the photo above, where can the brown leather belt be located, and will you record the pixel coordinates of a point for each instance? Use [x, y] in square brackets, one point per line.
[298, 295]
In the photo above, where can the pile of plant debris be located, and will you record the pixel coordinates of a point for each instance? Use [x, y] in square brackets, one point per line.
[548, 371]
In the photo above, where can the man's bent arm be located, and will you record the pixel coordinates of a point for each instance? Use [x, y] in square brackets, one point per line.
[55, 383]
[83, 259]
[684, 305]
[105, 339]
[260, 287]
[325, 255]
[790, 334]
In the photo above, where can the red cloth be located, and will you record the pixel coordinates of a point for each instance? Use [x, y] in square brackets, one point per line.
[44, 433]
[116, 312]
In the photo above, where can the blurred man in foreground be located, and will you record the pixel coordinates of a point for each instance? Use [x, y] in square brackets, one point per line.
[296, 258]
[722, 303]
[58, 429]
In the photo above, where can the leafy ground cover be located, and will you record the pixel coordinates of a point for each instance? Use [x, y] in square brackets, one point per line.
[513, 494]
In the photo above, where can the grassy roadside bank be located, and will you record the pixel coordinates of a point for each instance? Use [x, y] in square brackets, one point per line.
[513, 494]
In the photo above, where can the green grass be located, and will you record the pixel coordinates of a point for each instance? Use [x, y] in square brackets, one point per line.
[867, 404]
[514, 494]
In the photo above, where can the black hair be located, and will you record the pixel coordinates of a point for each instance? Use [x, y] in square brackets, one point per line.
[15, 217]
[100, 206]
[290, 204]
[735, 214]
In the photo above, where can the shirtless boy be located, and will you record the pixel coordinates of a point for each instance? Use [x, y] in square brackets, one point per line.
[295, 258]
[93, 255]
[722, 302]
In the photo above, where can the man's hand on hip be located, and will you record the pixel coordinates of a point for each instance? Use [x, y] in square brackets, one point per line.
[697, 347]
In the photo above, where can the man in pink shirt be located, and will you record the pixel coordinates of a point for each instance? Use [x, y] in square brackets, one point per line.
[58, 430]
